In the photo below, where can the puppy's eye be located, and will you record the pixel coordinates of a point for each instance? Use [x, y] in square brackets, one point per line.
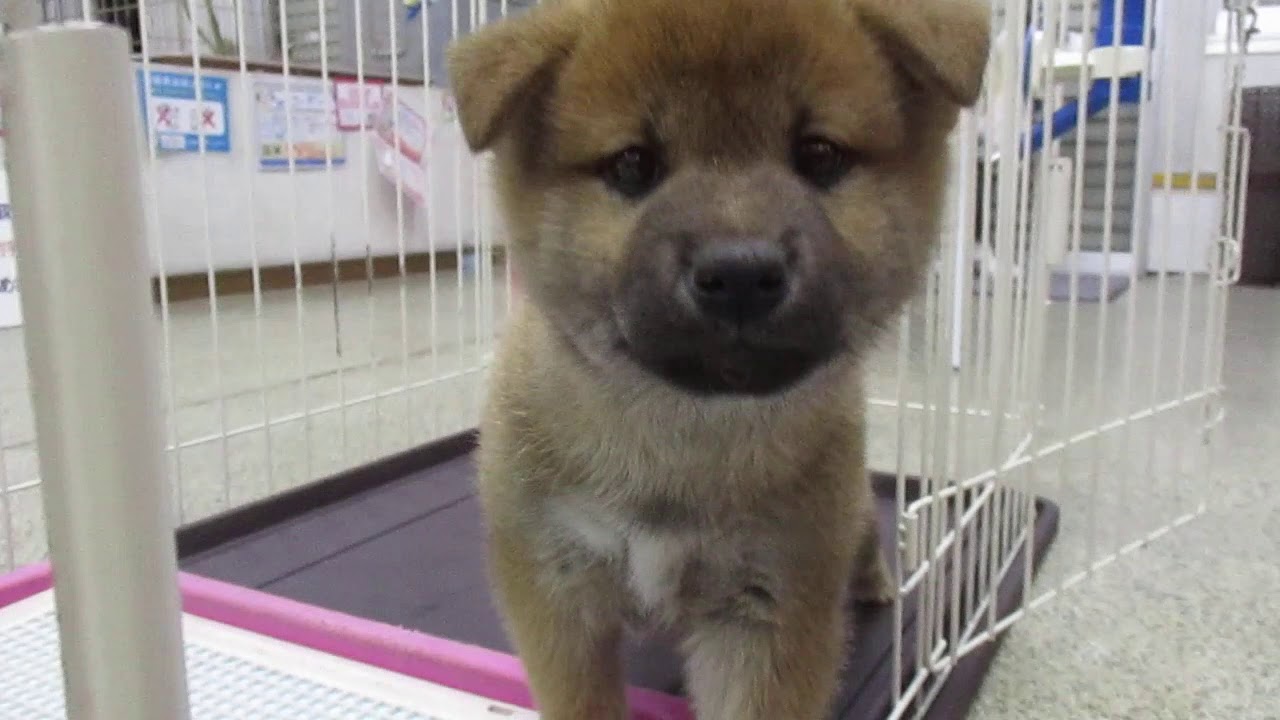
[821, 162]
[633, 172]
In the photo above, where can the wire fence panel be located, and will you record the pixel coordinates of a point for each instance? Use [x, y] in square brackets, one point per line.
[328, 279]
[1070, 346]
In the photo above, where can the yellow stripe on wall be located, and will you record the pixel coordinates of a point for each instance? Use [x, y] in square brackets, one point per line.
[1182, 181]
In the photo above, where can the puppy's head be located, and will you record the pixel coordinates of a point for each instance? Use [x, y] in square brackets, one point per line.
[728, 194]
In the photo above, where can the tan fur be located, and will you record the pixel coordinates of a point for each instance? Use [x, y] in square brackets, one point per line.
[613, 498]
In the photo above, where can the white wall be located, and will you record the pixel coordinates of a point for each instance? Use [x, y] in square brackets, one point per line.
[1183, 86]
[1205, 94]
[1262, 65]
[1190, 138]
[1198, 82]
[221, 204]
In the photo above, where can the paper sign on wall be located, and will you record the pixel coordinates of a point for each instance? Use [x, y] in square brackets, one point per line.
[400, 144]
[303, 128]
[347, 97]
[408, 126]
[179, 119]
[10, 302]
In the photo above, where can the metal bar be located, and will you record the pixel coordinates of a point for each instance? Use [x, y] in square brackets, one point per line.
[211, 281]
[255, 263]
[1018, 459]
[80, 228]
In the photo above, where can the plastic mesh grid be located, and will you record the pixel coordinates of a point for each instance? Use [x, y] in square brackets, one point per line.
[221, 686]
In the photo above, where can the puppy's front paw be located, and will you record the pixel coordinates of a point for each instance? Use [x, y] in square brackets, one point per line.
[875, 586]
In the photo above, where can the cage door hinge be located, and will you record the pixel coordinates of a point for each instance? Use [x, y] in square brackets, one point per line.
[1226, 261]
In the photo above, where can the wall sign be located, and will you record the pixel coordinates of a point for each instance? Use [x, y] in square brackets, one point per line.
[313, 139]
[347, 98]
[10, 302]
[407, 130]
[400, 145]
[179, 119]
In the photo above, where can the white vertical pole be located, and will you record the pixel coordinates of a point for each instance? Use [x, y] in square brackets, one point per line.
[963, 163]
[74, 155]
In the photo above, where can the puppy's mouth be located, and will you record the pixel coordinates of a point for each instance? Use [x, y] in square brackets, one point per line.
[731, 364]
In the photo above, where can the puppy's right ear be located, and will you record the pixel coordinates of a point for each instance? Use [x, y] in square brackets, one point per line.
[943, 44]
[494, 69]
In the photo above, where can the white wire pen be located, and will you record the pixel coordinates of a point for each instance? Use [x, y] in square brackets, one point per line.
[1089, 12]
[288, 101]
[1188, 282]
[1140, 191]
[1162, 67]
[953, 244]
[906, 556]
[1002, 286]
[330, 138]
[1097, 447]
[965, 239]
[1017, 287]
[255, 265]
[211, 280]
[433, 229]
[366, 216]
[927, 596]
[1036, 301]
[401, 258]
[483, 279]
[1225, 271]
[158, 254]
[455, 31]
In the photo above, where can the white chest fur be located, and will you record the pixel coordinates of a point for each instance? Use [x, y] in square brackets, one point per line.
[654, 560]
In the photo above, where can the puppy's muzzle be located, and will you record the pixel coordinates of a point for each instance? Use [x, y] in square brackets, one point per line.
[733, 284]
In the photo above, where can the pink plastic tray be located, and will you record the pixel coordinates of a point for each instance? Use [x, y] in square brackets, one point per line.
[471, 669]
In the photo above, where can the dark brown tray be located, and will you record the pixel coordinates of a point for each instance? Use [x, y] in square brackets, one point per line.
[400, 541]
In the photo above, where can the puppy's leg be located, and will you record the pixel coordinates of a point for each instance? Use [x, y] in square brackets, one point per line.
[742, 666]
[566, 629]
[872, 581]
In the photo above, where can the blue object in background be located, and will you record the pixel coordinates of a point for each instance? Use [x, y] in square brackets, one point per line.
[180, 120]
[1129, 90]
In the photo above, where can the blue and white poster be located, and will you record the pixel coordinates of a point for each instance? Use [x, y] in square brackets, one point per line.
[179, 118]
[298, 128]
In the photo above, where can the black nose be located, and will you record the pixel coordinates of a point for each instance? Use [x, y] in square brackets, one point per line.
[740, 281]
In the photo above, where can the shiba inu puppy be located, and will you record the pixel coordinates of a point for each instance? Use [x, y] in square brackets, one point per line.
[714, 207]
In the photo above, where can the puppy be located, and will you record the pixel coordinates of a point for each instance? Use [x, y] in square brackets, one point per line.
[714, 206]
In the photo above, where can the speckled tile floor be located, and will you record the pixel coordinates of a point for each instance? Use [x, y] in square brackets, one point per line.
[1186, 628]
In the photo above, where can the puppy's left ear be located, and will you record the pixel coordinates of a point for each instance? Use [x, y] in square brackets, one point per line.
[942, 44]
[497, 67]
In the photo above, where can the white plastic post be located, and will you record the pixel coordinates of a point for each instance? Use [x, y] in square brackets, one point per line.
[75, 171]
